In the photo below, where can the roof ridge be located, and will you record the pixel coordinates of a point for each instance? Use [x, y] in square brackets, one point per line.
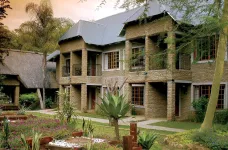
[118, 13]
[25, 51]
[93, 22]
[139, 8]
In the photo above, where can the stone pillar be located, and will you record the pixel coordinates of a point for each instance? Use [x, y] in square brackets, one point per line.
[146, 100]
[75, 96]
[148, 49]
[83, 98]
[171, 90]
[171, 58]
[84, 62]
[61, 63]
[128, 50]
[71, 64]
[16, 95]
[127, 94]
[60, 99]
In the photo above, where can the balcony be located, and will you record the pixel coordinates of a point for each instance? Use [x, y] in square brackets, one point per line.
[158, 62]
[65, 71]
[94, 70]
[77, 70]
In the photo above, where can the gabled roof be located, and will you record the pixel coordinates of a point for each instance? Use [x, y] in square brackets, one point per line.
[53, 55]
[106, 31]
[28, 66]
[5, 70]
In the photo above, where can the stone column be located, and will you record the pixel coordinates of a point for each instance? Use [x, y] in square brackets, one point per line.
[16, 95]
[61, 63]
[171, 57]
[148, 49]
[84, 62]
[146, 99]
[127, 94]
[171, 90]
[83, 97]
[60, 99]
[128, 49]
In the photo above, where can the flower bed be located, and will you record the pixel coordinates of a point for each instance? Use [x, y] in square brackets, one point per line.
[48, 127]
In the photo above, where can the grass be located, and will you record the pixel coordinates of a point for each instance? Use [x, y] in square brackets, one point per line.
[178, 125]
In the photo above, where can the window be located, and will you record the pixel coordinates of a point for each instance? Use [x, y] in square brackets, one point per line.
[138, 59]
[111, 60]
[205, 90]
[138, 95]
[206, 48]
[68, 66]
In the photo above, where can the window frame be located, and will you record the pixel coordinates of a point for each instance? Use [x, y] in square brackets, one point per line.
[140, 86]
[133, 65]
[198, 88]
[196, 52]
[106, 61]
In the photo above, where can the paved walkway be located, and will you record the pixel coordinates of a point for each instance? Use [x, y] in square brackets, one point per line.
[141, 122]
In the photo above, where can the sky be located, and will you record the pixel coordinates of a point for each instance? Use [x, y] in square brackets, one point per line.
[73, 9]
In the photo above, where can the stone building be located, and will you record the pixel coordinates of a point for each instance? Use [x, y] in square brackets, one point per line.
[121, 47]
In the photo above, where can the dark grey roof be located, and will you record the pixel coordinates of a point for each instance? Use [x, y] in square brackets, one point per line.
[53, 55]
[107, 30]
[101, 32]
[28, 66]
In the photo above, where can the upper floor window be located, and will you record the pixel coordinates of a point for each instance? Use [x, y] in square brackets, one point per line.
[111, 60]
[206, 48]
[205, 90]
[138, 57]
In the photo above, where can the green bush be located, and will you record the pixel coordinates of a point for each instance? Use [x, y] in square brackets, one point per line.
[48, 102]
[221, 117]
[210, 139]
[200, 106]
[27, 99]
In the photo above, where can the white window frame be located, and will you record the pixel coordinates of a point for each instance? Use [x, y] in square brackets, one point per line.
[103, 60]
[139, 85]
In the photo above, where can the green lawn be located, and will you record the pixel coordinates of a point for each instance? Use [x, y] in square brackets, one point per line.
[178, 125]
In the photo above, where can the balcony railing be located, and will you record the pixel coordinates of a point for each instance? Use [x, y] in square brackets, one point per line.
[184, 62]
[94, 70]
[65, 71]
[77, 70]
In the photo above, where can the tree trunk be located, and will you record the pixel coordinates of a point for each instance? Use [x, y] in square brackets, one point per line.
[219, 69]
[116, 125]
[44, 77]
[40, 98]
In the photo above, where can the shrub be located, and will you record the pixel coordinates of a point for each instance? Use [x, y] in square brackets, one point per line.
[210, 139]
[146, 140]
[22, 111]
[221, 117]
[48, 102]
[27, 99]
[200, 106]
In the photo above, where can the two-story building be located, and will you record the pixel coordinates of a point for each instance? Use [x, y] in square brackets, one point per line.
[160, 81]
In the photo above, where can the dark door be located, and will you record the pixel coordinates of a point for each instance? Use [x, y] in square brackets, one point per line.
[177, 101]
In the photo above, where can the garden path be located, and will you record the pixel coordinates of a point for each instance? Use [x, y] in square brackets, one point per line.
[141, 122]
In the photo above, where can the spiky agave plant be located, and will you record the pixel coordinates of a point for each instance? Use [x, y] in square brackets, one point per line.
[114, 106]
[146, 140]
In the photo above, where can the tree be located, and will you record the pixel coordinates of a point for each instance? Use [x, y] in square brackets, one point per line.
[206, 18]
[41, 34]
[114, 107]
[4, 4]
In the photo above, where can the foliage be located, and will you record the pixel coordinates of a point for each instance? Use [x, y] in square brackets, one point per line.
[49, 102]
[46, 126]
[87, 128]
[67, 108]
[22, 111]
[221, 117]
[133, 111]
[114, 107]
[27, 99]
[5, 134]
[4, 4]
[200, 107]
[146, 140]
[35, 141]
[210, 139]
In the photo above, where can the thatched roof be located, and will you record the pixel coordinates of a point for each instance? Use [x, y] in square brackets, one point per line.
[28, 66]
